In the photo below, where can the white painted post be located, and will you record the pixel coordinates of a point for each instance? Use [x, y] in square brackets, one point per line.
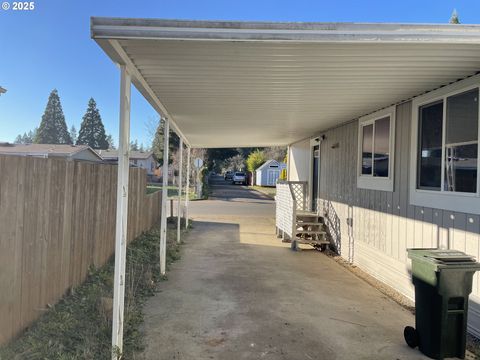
[121, 217]
[187, 192]
[179, 206]
[289, 148]
[163, 219]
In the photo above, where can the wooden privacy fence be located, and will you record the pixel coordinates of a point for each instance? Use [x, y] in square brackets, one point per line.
[57, 218]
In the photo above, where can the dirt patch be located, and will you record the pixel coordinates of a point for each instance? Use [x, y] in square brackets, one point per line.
[215, 342]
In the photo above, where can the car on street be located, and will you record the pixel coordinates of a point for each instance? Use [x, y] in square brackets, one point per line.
[239, 178]
[228, 176]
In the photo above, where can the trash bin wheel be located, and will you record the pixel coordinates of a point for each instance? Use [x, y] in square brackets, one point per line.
[294, 245]
[411, 336]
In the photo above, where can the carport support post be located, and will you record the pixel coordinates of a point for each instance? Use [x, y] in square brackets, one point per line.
[121, 217]
[288, 162]
[163, 218]
[179, 206]
[187, 186]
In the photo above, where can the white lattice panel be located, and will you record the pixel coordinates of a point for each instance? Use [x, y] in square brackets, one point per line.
[298, 190]
[284, 208]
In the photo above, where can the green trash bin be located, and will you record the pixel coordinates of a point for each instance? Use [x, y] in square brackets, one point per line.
[443, 282]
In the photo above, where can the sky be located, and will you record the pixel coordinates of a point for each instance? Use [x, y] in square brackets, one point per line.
[50, 48]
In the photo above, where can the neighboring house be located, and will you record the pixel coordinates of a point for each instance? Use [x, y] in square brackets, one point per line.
[269, 173]
[70, 152]
[141, 159]
[381, 122]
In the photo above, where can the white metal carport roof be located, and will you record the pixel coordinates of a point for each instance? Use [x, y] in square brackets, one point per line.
[231, 84]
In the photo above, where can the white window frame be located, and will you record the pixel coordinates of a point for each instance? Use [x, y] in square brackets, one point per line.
[441, 199]
[369, 181]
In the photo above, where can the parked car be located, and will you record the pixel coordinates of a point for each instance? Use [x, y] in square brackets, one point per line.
[228, 175]
[239, 178]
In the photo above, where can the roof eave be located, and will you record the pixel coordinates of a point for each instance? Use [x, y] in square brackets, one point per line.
[160, 29]
[109, 33]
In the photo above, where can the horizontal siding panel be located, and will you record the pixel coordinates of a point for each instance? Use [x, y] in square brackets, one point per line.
[384, 224]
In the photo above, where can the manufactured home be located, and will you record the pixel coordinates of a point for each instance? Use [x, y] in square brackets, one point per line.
[381, 122]
[141, 159]
[404, 176]
[69, 152]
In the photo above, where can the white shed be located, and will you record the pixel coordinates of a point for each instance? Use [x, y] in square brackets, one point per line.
[269, 173]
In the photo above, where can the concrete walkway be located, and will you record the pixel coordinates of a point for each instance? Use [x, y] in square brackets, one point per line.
[239, 293]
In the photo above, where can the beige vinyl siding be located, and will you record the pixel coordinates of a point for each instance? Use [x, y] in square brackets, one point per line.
[384, 225]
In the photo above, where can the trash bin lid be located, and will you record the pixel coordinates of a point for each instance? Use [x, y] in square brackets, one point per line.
[443, 257]
[449, 256]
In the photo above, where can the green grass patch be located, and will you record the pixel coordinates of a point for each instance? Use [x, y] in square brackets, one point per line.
[269, 191]
[79, 326]
[172, 191]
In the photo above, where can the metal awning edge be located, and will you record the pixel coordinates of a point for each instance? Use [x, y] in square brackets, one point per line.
[160, 29]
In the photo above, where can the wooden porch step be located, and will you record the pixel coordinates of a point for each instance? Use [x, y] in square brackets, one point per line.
[312, 242]
[309, 219]
[307, 213]
[307, 223]
[309, 232]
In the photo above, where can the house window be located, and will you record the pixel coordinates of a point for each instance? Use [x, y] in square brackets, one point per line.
[376, 151]
[430, 146]
[445, 136]
[457, 117]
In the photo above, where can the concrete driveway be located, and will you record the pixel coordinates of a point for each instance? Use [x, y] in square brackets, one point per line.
[240, 293]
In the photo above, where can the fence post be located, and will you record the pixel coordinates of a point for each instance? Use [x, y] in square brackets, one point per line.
[122, 213]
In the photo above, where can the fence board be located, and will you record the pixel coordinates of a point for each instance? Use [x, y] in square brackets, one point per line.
[58, 219]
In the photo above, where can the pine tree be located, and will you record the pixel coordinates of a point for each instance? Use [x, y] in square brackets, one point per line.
[454, 18]
[134, 145]
[26, 138]
[19, 139]
[157, 143]
[53, 129]
[92, 131]
[111, 143]
[30, 137]
[73, 134]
